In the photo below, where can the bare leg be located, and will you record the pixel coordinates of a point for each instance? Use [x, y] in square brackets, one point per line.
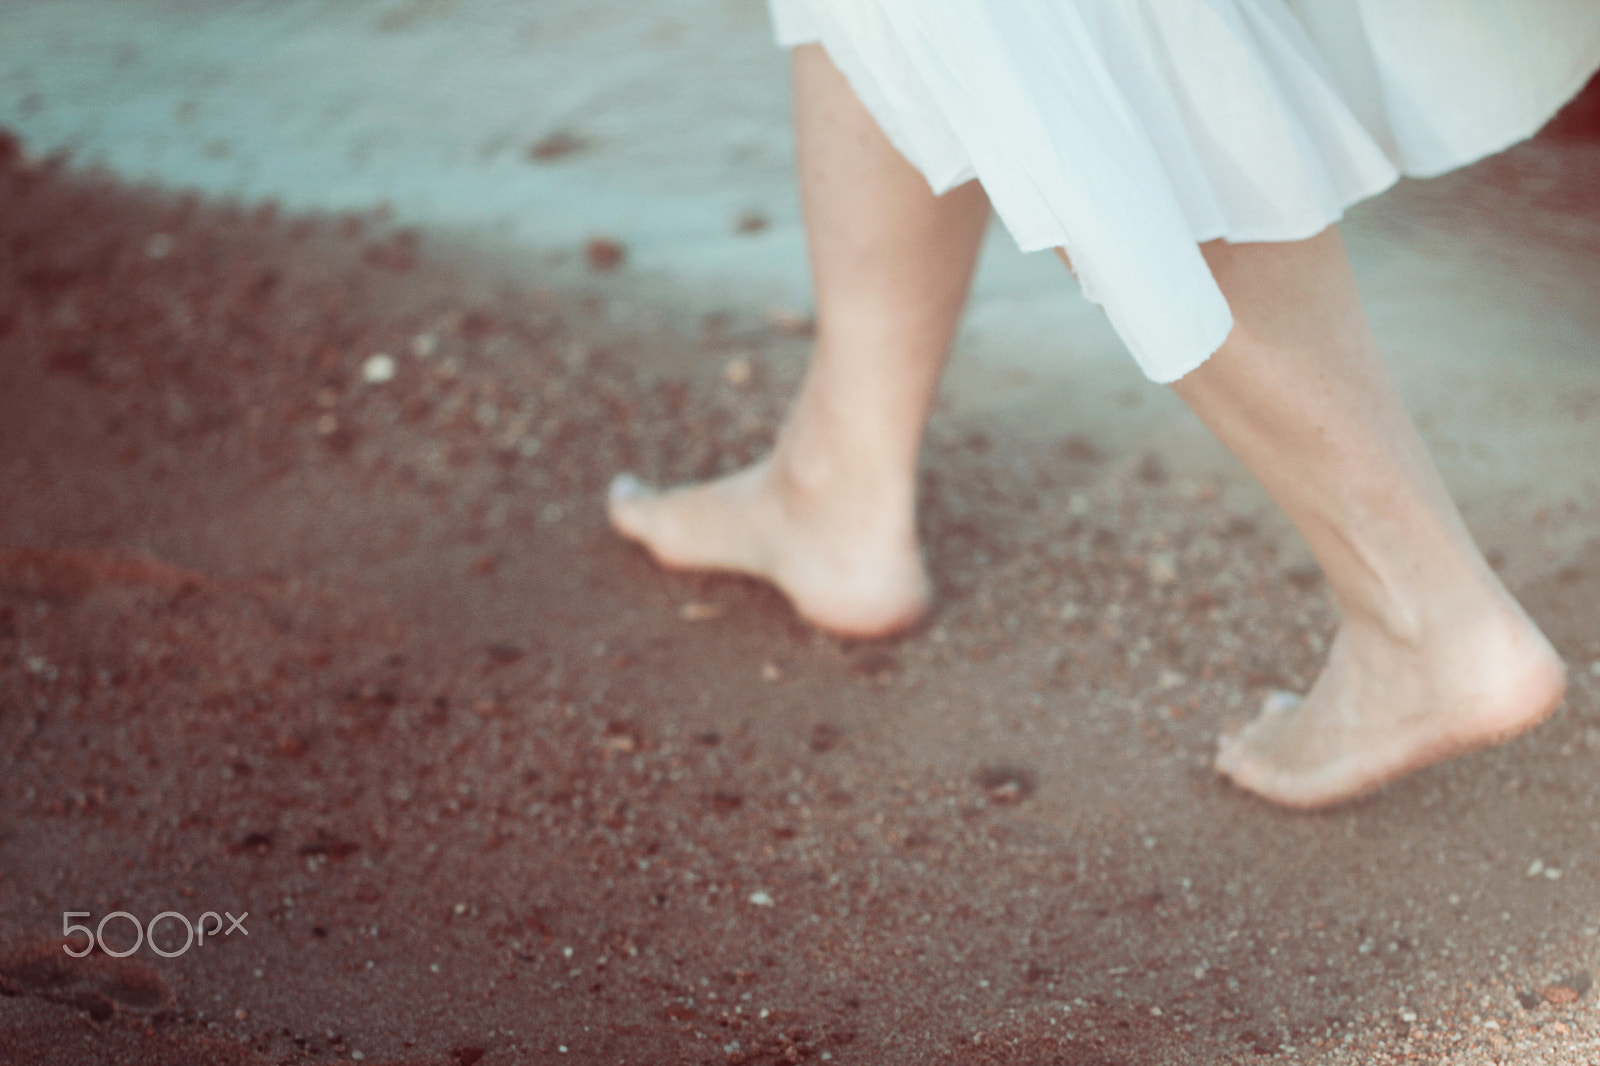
[1434, 657]
[829, 516]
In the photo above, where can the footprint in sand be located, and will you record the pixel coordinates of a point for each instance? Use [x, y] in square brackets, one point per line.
[96, 983]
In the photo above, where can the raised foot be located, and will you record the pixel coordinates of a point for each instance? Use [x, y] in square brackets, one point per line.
[844, 571]
[1380, 711]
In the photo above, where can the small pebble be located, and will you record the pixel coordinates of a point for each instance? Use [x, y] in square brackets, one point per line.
[1162, 568]
[694, 611]
[760, 898]
[1535, 868]
[605, 253]
[736, 371]
[378, 369]
[423, 345]
[770, 671]
[555, 146]
[1559, 995]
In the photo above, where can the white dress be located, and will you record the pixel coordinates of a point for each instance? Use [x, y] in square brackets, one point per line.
[1127, 131]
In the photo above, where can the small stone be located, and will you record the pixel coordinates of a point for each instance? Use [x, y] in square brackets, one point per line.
[695, 611]
[1594, 668]
[424, 345]
[737, 371]
[378, 369]
[1006, 786]
[604, 253]
[1162, 568]
[760, 898]
[750, 222]
[1535, 868]
[557, 145]
[1408, 1016]
[1558, 995]
[770, 671]
[1079, 448]
[1078, 505]
[241, 1014]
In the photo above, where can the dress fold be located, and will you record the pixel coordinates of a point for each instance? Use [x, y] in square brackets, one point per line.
[1128, 131]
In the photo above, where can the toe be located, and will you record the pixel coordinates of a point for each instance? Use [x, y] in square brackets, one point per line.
[624, 499]
[625, 486]
[1280, 701]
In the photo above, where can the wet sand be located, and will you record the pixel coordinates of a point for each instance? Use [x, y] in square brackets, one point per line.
[359, 657]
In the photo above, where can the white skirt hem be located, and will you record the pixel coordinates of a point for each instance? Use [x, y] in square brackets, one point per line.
[1128, 133]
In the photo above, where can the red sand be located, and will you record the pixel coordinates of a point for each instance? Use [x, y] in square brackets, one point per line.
[362, 661]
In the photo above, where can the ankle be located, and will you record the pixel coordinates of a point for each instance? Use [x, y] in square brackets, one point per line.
[826, 478]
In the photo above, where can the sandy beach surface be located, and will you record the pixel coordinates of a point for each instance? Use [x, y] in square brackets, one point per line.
[309, 390]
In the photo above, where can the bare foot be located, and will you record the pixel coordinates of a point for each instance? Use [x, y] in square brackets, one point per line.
[1384, 707]
[845, 571]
